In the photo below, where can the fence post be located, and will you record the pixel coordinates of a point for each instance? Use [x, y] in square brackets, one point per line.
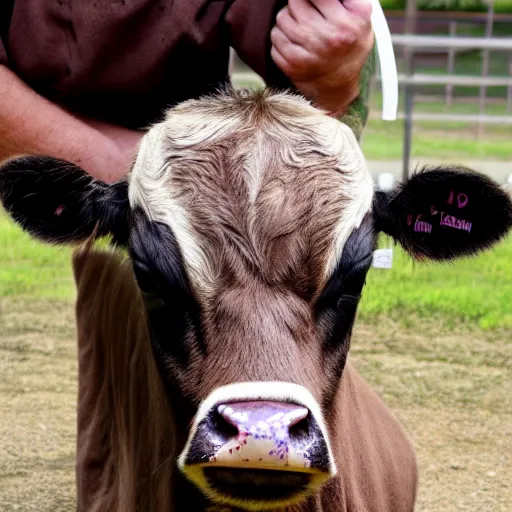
[509, 88]
[409, 106]
[489, 29]
[451, 64]
[411, 13]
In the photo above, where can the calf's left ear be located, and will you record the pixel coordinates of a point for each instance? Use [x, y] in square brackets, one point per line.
[444, 213]
[58, 202]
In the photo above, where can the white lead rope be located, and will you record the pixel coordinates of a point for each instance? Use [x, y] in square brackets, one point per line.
[388, 71]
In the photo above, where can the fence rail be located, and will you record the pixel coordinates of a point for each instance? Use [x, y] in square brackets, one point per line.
[459, 43]
[460, 80]
[459, 118]
[450, 16]
[414, 42]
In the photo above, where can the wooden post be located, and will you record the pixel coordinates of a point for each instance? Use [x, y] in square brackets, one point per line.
[411, 14]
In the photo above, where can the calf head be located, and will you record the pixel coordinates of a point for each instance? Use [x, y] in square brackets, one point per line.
[251, 221]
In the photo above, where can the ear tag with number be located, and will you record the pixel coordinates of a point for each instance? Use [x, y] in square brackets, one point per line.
[383, 258]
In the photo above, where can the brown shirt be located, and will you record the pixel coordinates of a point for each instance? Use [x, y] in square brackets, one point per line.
[126, 60]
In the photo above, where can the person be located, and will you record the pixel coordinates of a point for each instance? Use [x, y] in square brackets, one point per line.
[82, 79]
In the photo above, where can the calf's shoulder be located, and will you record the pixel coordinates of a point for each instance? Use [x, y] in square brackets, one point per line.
[375, 458]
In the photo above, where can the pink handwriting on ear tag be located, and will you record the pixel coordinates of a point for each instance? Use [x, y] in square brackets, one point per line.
[453, 222]
[421, 226]
[59, 210]
[462, 200]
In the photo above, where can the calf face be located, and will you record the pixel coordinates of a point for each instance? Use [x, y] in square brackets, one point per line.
[251, 221]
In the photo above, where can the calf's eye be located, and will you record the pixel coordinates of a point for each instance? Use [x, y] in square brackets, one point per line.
[145, 278]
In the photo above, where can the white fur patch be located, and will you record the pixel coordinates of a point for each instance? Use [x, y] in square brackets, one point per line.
[192, 123]
[359, 187]
[149, 189]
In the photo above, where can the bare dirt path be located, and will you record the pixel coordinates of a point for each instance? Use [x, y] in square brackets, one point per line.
[452, 392]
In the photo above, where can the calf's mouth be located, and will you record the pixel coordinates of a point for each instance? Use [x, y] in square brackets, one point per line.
[258, 446]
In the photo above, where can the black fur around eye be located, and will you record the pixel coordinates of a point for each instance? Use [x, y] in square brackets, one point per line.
[147, 281]
[336, 307]
[346, 284]
[349, 277]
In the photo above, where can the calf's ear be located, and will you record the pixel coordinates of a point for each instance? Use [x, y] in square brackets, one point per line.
[58, 202]
[444, 213]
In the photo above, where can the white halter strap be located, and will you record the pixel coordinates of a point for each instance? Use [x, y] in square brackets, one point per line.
[388, 70]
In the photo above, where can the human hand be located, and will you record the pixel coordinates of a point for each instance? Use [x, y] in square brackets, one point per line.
[322, 46]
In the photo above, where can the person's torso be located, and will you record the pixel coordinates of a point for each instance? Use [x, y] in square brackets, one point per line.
[119, 60]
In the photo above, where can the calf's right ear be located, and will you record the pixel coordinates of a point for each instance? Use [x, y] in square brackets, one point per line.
[442, 213]
[59, 203]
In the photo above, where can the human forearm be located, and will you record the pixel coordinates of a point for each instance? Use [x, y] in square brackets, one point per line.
[31, 124]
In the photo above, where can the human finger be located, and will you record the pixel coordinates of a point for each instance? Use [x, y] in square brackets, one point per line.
[308, 35]
[303, 11]
[293, 59]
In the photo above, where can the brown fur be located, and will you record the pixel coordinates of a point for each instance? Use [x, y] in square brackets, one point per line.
[268, 187]
[264, 181]
[127, 446]
[260, 192]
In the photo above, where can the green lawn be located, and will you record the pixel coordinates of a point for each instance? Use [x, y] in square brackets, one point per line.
[476, 290]
[383, 140]
[500, 6]
[30, 269]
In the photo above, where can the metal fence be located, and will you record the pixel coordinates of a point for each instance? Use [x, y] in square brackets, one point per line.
[411, 80]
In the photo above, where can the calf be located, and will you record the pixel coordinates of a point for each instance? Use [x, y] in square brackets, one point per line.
[250, 220]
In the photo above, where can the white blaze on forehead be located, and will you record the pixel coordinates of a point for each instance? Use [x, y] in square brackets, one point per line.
[151, 177]
[357, 190]
[149, 189]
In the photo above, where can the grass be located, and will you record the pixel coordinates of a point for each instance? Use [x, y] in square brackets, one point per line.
[476, 290]
[31, 269]
[433, 341]
[473, 291]
[383, 140]
[500, 6]
[454, 140]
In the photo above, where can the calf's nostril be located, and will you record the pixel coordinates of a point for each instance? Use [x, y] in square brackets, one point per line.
[299, 430]
[223, 427]
[262, 418]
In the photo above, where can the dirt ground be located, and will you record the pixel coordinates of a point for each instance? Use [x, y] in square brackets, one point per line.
[453, 393]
